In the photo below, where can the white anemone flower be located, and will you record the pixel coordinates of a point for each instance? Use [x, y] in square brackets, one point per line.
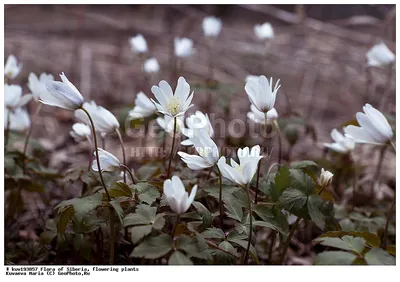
[104, 121]
[144, 107]
[19, 119]
[211, 26]
[241, 173]
[325, 178]
[151, 65]
[195, 123]
[183, 47]
[261, 94]
[341, 143]
[167, 123]
[259, 117]
[169, 103]
[13, 97]
[108, 162]
[37, 85]
[264, 31]
[374, 127]
[207, 150]
[177, 197]
[252, 77]
[138, 44]
[12, 68]
[62, 94]
[380, 55]
[80, 132]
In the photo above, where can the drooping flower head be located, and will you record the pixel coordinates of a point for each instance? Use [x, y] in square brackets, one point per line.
[261, 94]
[144, 107]
[38, 85]
[211, 26]
[183, 47]
[341, 143]
[241, 173]
[138, 44]
[374, 127]
[151, 65]
[264, 31]
[13, 97]
[259, 117]
[169, 103]
[12, 68]
[62, 94]
[196, 123]
[380, 55]
[176, 195]
[108, 162]
[80, 132]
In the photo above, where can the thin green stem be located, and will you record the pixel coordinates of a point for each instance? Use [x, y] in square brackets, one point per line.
[178, 218]
[112, 236]
[289, 238]
[279, 143]
[172, 151]
[28, 135]
[385, 233]
[123, 150]
[221, 205]
[130, 173]
[7, 133]
[375, 179]
[258, 180]
[246, 256]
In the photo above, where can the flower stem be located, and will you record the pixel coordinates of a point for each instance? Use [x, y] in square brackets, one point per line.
[7, 133]
[279, 144]
[386, 92]
[393, 146]
[250, 227]
[123, 151]
[172, 151]
[289, 238]
[375, 179]
[257, 181]
[221, 205]
[28, 135]
[178, 218]
[112, 236]
[130, 173]
[385, 233]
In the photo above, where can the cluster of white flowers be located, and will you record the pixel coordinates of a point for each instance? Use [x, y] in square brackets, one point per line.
[138, 46]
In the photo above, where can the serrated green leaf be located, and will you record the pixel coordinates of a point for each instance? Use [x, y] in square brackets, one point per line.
[348, 243]
[370, 238]
[117, 208]
[144, 214]
[233, 209]
[148, 171]
[177, 258]
[378, 256]
[225, 245]
[243, 244]
[292, 200]
[319, 210]
[204, 213]
[121, 189]
[335, 258]
[227, 190]
[159, 221]
[138, 232]
[301, 181]
[153, 247]
[281, 182]
[81, 206]
[65, 216]
[214, 233]
[147, 192]
[304, 164]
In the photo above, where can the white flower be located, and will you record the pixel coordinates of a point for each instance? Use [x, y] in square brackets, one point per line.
[138, 44]
[252, 77]
[196, 123]
[211, 26]
[144, 107]
[207, 150]
[325, 178]
[259, 117]
[167, 123]
[12, 68]
[380, 55]
[264, 31]
[342, 144]
[13, 97]
[80, 132]
[169, 103]
[19, 119]
[151, 65]
[104, 121]
[374, 128]
[108, 162]
[243, 172]
[183, 47]
[177, 197]
[38, 85]
[261, 94]
[62, 94]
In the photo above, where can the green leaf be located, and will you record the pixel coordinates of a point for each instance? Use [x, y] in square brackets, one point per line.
[147, 192]
[301, 181]
[147, 171]
[227, 190]
[335, 258]
[144, 214]
[348, 243]
[153, 247]
[121, 189]
[194, 248]
[319, 210]
[243, 244]
[159, 221]
[204, 213]
[117, 208]
[65, 216]
[292, 200]
[177, 258]
[378, 256]
[138, 232]
[233, 209]
[275, 219]
[370, 238]
[225, 245]
[81, 206]
[214, 233]
[281, 182]
[304, 165]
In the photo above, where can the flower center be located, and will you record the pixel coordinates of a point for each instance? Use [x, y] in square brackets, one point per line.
[239, 168]
[174, 106]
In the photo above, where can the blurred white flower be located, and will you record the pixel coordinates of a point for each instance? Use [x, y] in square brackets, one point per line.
[291, 218]
[169, 103]
[380, 55]
[13, 97]
[104, 121]
[261, 94]
[144, 107]
[12, 68]
[259, 117]
[183, 47]
[80, 132]
[243, 172]
[167, 123]
[252, 77]
[19, 119]
[325, 178]
[138, 44]
[151, 65]
[374, 127]
[342, 144]
[177, 197]
[195, 123]
[207, 150]
[62, 94]
[38, 85]
[108, 162]
[211, 26]
[264, 31]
